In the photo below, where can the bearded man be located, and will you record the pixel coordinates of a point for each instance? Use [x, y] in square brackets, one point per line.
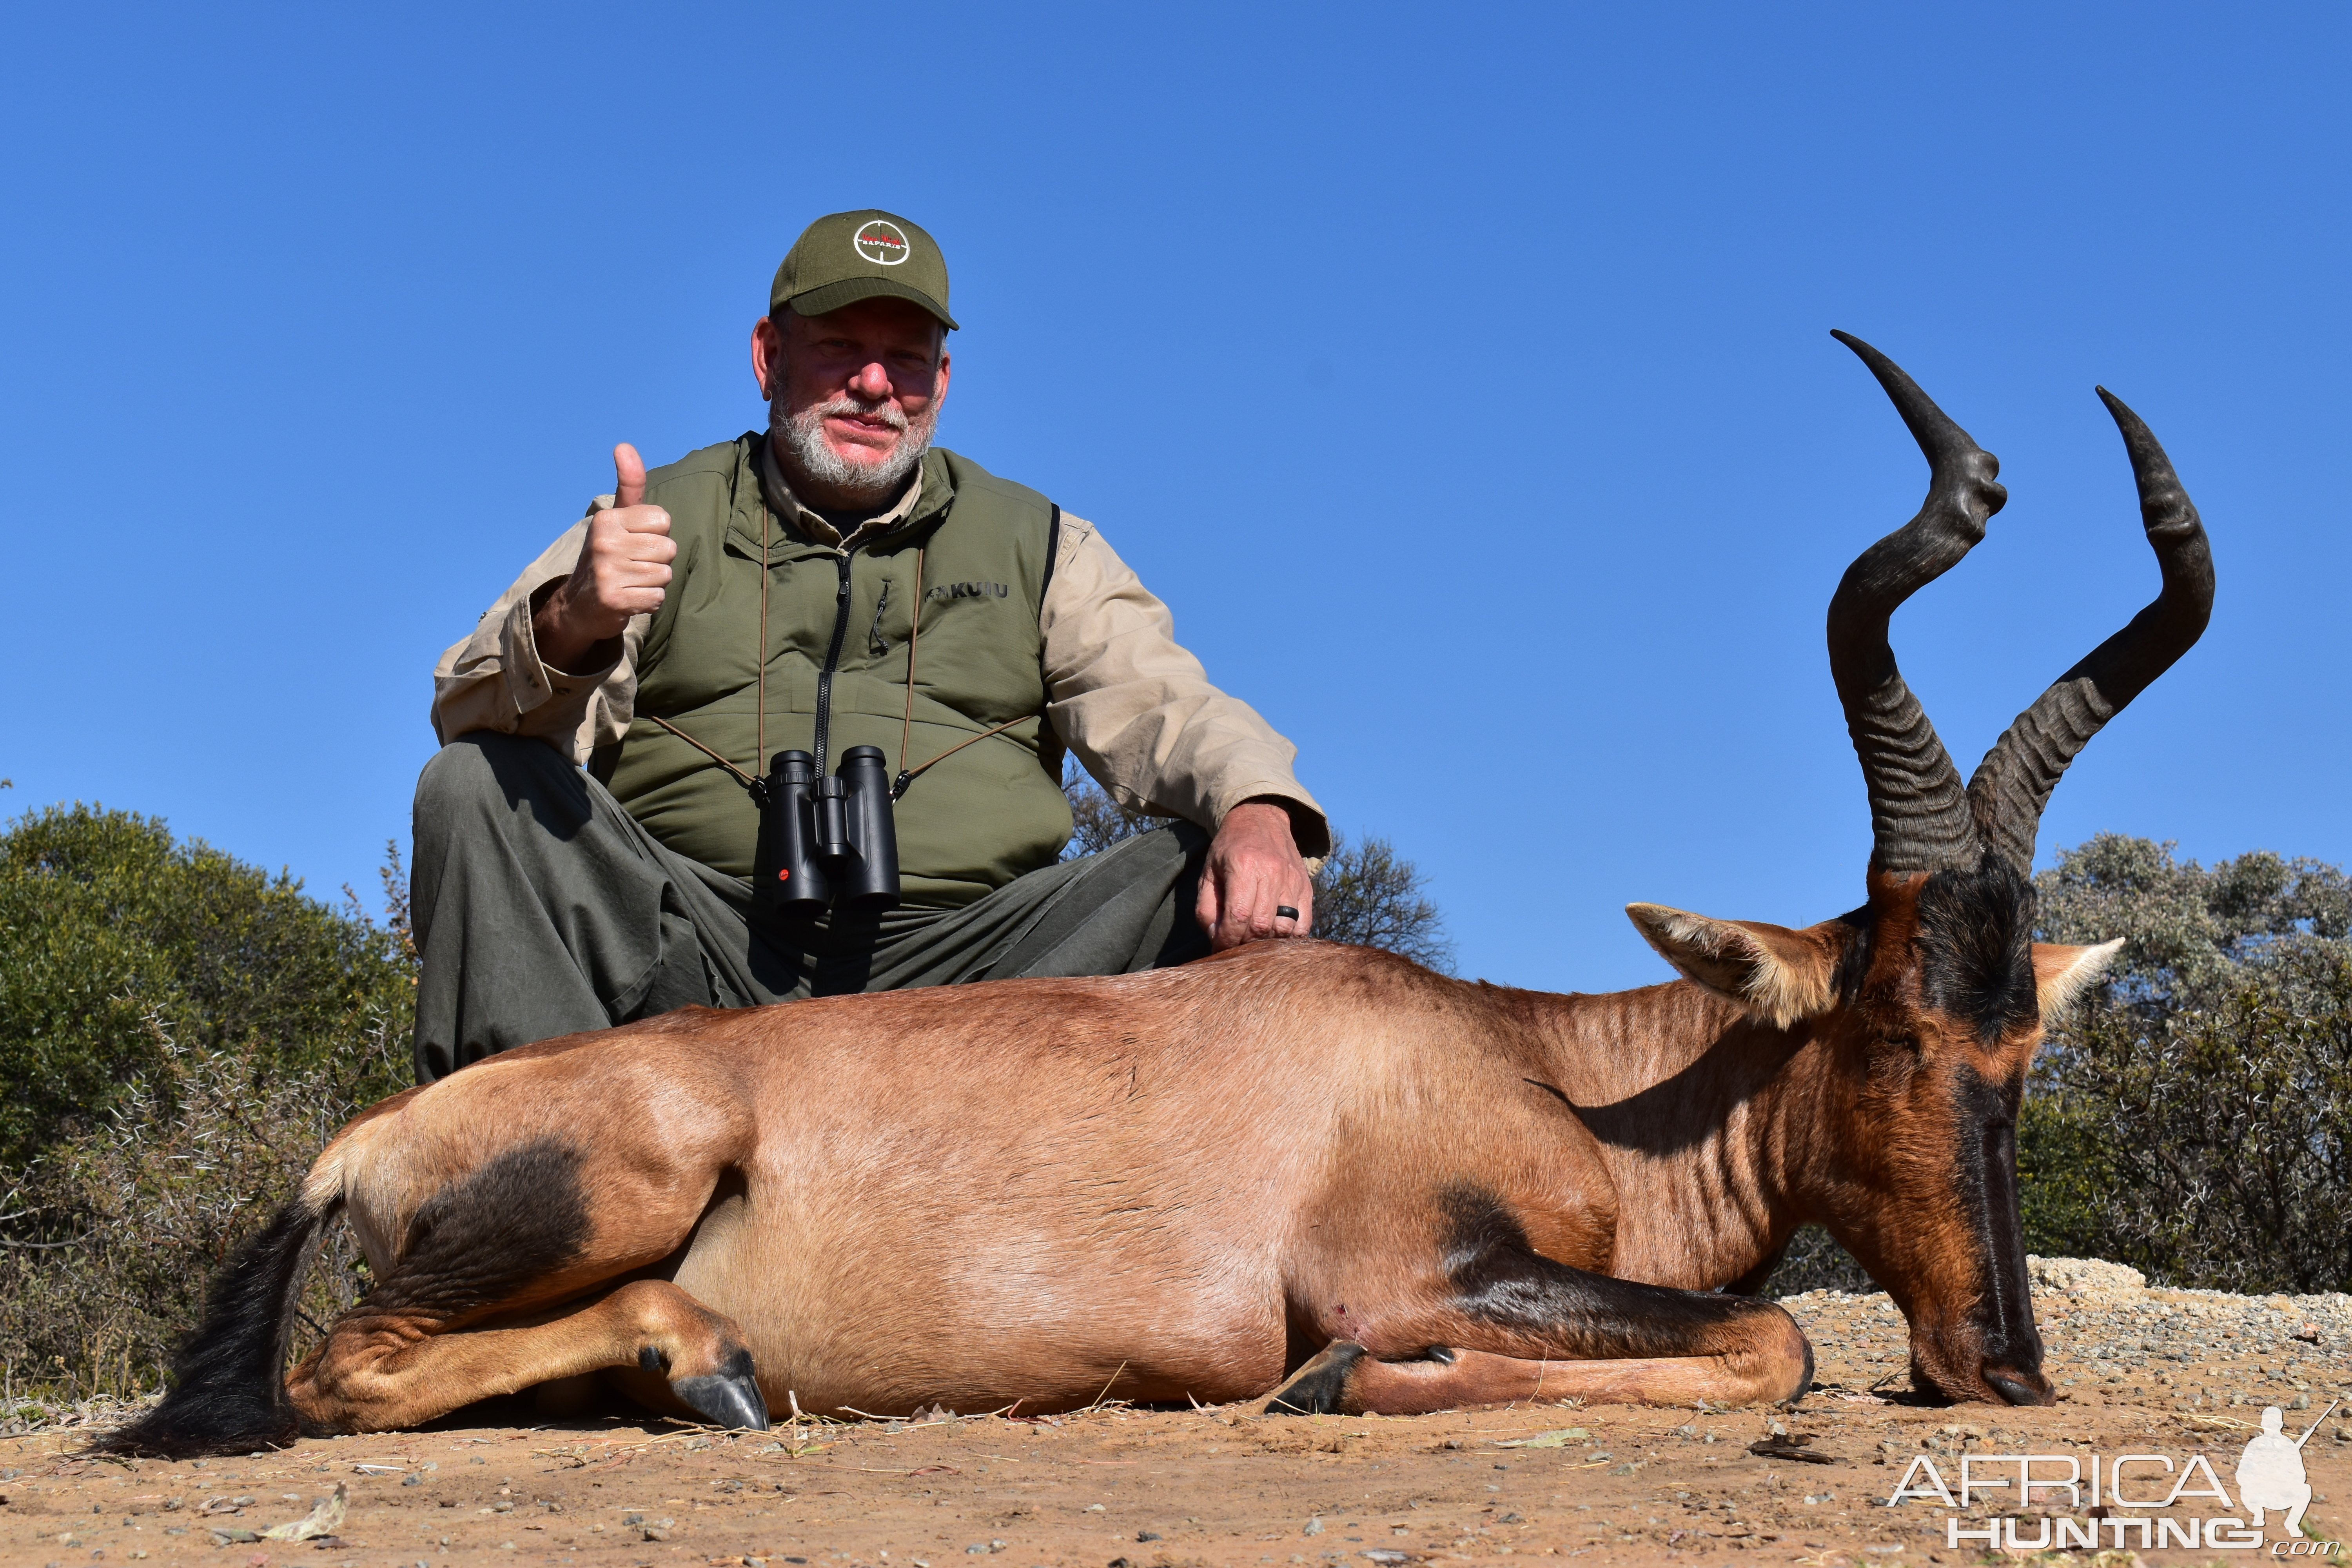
[586, 835]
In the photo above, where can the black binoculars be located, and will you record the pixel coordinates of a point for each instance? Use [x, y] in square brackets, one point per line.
[827, 842]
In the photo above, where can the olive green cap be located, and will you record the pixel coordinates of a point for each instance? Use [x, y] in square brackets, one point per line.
[843, 257]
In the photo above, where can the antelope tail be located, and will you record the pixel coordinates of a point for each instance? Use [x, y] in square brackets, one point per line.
[227, 1394]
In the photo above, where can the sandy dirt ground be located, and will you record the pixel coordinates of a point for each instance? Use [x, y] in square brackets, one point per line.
[1117, 1486]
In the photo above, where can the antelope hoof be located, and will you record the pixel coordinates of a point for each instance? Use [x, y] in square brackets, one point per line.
[729, 1398]
[1315, 1389]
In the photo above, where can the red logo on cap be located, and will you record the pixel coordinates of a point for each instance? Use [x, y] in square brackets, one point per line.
[880, 240]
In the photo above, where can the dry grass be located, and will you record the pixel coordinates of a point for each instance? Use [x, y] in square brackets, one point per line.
[110, 1236]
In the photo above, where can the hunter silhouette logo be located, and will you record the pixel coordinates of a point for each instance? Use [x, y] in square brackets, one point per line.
[2270, 1472]
[882, 242]
[2125, 1501]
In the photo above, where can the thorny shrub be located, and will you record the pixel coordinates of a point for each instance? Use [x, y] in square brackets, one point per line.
[105, 922]
[179, 1034]
[2194, 1118]
[113, 1233]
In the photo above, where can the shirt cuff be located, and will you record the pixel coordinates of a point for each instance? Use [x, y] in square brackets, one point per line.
[1307, 826]
[530, 680]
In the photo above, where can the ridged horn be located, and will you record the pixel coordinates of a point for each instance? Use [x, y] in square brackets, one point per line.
[1919, 815]
[2013, 784]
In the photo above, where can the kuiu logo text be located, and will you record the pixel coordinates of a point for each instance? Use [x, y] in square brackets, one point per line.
[970, 591]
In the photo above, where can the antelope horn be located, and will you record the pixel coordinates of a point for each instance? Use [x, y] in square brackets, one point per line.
[2013, 783]
[1919, 816]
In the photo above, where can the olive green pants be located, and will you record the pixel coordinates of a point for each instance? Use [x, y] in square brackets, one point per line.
[542, 908]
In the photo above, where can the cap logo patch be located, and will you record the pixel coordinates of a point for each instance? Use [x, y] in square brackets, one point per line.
[882, 242]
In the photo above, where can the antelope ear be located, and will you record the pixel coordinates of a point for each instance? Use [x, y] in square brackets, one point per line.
[1778, 975]
[2061, 974]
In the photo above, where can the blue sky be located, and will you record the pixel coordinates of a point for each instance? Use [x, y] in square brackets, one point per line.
[1462, 378]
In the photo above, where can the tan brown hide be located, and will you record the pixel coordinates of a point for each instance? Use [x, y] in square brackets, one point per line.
[1031, 1191]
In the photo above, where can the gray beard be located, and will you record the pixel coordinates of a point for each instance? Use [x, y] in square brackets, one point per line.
[862, 484]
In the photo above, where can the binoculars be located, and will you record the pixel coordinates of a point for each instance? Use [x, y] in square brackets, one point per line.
[827, 842]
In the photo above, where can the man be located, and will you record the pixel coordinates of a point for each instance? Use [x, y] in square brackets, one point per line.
[833, 582]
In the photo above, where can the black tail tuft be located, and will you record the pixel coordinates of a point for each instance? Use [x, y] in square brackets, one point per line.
[228, 1381]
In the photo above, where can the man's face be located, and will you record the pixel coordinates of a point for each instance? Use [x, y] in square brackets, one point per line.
[854, 393]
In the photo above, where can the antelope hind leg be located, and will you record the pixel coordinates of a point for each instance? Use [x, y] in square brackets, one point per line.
[508, 1272]
[380, 1371]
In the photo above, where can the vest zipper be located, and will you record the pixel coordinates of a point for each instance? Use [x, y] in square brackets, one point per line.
[832, 662]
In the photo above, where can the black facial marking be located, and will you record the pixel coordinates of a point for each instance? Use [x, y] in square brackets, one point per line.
[1985, 1178]
[1976, 947]
[1499, 1277]
[486, 1237]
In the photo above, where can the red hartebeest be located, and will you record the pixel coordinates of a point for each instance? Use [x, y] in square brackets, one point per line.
[1304, 1166]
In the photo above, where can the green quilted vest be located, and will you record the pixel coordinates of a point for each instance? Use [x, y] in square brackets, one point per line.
[970, 824]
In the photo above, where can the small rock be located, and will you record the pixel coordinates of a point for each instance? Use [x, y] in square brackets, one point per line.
[1314, 1527]
[1147, 1535]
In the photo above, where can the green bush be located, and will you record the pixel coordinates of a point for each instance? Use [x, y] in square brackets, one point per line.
[2192, 1119]
[179, 1034]
[113, 937]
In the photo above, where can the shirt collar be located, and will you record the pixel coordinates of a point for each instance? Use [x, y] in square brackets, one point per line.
[790, 507]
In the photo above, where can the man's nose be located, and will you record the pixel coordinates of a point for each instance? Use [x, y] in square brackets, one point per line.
[872, 383]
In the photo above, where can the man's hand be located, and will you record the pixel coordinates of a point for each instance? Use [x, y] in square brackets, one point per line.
[623, 571]
[1254, 868]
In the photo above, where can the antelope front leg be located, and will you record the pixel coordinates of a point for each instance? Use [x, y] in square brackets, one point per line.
[1348, 1380]
[1499, 1322]
[380, 1371]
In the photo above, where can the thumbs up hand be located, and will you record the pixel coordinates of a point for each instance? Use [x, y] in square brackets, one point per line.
[624, 570]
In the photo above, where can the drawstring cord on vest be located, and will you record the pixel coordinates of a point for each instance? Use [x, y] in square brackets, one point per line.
[906, 775]
[758, 786]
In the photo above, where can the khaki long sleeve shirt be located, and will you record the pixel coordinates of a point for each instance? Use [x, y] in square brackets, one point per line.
[1136, 709]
